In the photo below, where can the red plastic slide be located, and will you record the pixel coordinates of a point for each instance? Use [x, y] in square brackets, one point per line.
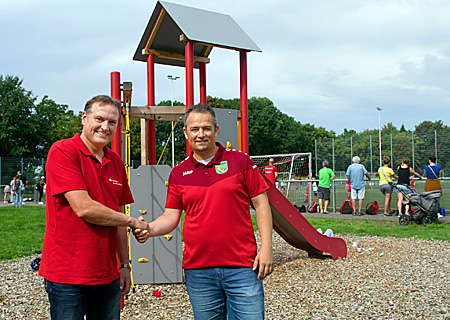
[297, 231]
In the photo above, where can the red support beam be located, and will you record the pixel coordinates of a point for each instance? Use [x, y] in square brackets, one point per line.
[189, 66]
[202, 66]
[244, 100]
[151, 102]
[116, 143]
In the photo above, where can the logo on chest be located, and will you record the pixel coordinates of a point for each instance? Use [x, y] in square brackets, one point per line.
[222, 167]
[115, 182]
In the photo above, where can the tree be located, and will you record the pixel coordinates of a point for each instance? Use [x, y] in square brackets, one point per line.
[26, 129]
[16, 108]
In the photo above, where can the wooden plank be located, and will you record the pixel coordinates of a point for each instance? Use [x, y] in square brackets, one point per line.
[144, 142]
[183, 38]
[155, 28]
[173, 56]
[162, 113]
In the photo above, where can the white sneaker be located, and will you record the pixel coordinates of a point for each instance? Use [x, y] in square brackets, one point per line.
[5, 201]
[440, 215]
[320, 231]
[41, 203]
[329, 233]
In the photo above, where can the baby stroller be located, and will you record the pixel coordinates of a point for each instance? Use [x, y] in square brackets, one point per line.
[427, 204]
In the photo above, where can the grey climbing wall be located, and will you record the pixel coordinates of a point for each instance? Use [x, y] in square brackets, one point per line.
[164, 254]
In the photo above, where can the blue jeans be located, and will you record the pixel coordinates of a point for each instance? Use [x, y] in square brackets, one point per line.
[18, 199]
[74, 301]
[216, 292]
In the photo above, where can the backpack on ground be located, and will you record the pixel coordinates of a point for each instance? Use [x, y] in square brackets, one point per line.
[302, 208]
[346, 207]
[372, 207]
[312, 207]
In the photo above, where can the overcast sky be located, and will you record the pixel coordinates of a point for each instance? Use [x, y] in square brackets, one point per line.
[329, 63]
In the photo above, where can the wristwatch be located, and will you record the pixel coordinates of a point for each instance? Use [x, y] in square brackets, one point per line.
[125, 265]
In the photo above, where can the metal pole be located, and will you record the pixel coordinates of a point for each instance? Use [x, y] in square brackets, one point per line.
[435, 144]
[412, 142]
[379, 129]
[351, 149]
[392, 159]
[334, 189]
[315, 151]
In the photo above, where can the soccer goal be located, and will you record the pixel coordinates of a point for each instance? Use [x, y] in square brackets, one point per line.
[293, 169]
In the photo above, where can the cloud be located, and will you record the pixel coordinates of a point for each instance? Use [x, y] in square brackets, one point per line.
[326, 63]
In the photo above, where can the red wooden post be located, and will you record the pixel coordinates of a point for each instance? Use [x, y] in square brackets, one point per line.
[116, 143]
[189, 66]
[202, 66]
[244, 100]
[151, 102]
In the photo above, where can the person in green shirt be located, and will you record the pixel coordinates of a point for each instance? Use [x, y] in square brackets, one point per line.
[325, 176]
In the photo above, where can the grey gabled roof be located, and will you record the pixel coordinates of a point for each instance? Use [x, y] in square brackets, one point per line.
[206, 28]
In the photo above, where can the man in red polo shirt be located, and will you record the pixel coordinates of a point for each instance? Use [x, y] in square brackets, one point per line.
[214, 186]
[270, 171]
[86, 229]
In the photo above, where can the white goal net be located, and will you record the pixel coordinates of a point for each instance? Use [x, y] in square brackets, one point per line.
[294, 174]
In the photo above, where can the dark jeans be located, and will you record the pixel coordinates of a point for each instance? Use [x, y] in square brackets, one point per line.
[74, 301]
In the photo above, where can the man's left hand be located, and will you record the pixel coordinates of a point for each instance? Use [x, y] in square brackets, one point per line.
[264, 260]
[124, 280]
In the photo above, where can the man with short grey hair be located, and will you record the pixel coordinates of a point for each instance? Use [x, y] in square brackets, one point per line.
[355, 175]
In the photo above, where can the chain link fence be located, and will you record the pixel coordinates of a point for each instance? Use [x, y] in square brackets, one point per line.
[31, 168]
[415, 146]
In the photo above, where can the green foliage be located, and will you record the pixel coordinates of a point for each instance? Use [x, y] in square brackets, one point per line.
[28, 129]
[22, 231]
[270, 130]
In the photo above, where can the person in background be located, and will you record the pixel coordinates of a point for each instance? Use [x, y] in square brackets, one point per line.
[7, 191]
[325, 176]
[432, 173]
[403, 184]
[315, 187]
[215, 186]
[18, 189]
[386, 188]
[41, 185]
[11, 184]
[355, 175]
[86, 229]
[23, 179]
[270, 171]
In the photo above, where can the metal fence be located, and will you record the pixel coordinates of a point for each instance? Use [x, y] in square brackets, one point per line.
[416, 146]
[31, 168]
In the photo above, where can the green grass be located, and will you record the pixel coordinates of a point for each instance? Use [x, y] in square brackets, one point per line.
[379, 228]
[22, 231]
[384, 229]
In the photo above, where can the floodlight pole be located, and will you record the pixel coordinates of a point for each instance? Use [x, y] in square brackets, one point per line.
[379, 129]
[172, 79]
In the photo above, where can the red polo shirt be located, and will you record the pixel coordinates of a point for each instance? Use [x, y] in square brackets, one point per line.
[269, 172]
[76, 251]
[217, 229]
